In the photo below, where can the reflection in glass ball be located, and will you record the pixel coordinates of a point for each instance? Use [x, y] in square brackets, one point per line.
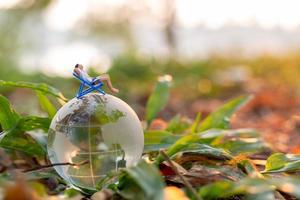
[99, 133]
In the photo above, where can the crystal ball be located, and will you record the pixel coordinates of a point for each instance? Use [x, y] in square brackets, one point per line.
[92, 137]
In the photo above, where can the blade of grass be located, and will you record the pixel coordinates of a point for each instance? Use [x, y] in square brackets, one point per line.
[158, 98]
[156, 140]
[220, 119]
[8, 116]
[195, 124]
[46, 104]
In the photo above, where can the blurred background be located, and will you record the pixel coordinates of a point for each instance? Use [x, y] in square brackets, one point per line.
[214, 50]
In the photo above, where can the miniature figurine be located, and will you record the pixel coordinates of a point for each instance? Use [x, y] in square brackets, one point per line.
[102, 78]
[98, 131]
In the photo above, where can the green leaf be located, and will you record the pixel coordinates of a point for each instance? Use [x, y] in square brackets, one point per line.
[217, 190]
[8, 117]
[46, 104]
[16, 140]
[39, 188]
[280, 162]
[276, 161]
[220, 119]
[13, 136]
[230, 134]
[29, 123]
[142, 182]
[249, 168]
[203, 150]
[178, 124]
[250, 187]
[180, 144]
[42, 87]
[109, 181]
[71, 193]
[195, 124]
[156, 140]
[158, 98]
[242, 145]
[213, 137]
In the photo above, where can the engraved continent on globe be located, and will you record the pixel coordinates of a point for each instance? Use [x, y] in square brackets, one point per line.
[98, 133]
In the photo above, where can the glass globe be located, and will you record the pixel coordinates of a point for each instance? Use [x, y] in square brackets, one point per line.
[96, 134]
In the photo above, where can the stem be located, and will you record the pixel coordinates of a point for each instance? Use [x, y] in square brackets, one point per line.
[55, 164]
[186, 183]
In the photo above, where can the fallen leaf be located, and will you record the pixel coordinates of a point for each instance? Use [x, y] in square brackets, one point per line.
[167, 170]
[102, 195]
[19, 191]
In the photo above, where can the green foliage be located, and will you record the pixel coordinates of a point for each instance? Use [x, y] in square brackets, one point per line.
[177, 124]
[46, 104]
[220, 119]
[156, 140]
[252, 188]
[71, 193]
[203, 150]
[38, 188]
[242, 145]
[211, 141]
[15, 140]
[142, 182]
[258, 187]
[280, 162]
[42, 87]
[158, 99]
[14, 125]
[246, 139]
[8, 117]
[194, 126]
[29, 123]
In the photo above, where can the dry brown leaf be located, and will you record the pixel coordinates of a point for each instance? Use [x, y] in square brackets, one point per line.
[104, 194]
[167, 170]
[19, 191]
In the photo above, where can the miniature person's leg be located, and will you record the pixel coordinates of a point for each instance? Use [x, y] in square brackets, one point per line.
[105, 78]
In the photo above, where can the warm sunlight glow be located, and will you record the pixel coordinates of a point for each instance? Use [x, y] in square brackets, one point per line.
[216, 13]
[6, 4]
[63, 14]
[61, 59]
[200, 27]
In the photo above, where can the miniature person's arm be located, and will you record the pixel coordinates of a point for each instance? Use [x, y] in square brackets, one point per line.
[105, 78]
[80, 72]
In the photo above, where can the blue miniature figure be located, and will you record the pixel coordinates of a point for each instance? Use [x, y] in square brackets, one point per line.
[92, 83]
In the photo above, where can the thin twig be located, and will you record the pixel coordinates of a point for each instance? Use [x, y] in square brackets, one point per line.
[186, 183]
[55, 164]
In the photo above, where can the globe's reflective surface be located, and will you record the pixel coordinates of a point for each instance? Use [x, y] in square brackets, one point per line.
[98, 133]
